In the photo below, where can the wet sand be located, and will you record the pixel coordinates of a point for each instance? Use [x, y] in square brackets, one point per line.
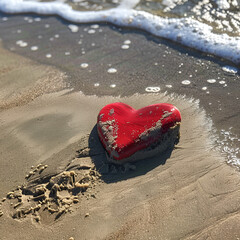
[190, 193]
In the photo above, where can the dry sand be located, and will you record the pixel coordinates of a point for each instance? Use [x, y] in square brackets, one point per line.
[190, 193]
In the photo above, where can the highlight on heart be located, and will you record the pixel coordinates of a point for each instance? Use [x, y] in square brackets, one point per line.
[129, 135]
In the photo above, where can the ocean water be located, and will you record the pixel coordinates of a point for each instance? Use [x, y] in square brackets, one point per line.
[211, 27]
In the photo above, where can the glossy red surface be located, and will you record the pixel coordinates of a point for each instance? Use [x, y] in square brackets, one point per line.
[124, 130]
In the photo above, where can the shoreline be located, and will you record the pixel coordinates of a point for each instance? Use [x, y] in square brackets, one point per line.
[187, 31]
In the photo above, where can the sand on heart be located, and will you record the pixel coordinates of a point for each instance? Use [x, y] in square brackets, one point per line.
[189, 193]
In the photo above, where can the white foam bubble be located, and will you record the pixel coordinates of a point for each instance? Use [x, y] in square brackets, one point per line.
[56, 35]
[204, 88]
[19, 31]
[67, 53]
[4, 19]
[222, 4]
[230, 69]
[46, 25]
[125, 46]
[211, 80]
[96, 84]
[84, 65]
[34, 48]
[37, 19]
[113, 85]
[187, 31]
[112, 70]
[186, 82]
[73, 28]
[152, 89]
[127, 42]
[48, 55]
[168, 86]
[222, 82]
[95, 26]
[91, 31]
[21, 43]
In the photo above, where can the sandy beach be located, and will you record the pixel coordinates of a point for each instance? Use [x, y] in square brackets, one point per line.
[48, 113]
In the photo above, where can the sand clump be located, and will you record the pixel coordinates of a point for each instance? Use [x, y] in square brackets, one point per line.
[52, 194]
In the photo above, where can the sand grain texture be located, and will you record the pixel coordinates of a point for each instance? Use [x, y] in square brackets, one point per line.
[190, 194]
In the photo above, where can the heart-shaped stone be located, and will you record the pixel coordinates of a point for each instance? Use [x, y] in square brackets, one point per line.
[129, 134]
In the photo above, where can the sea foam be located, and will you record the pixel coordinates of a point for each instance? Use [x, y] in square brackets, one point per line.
[186, 31]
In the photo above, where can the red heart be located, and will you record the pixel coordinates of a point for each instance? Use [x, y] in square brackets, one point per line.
[123, 130]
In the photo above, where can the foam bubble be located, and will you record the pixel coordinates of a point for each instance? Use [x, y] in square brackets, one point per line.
[113, 85]
[96, 84]
[73, 28]
[48, 55]
[56, 35]
[91, 31]
[222, 4]
[125, 46]
[95, 26]
[186, 82]
[152, 89]
[84, 65]
[67, 53]
[37, 19]
[127, 42]
[229, 144]
[204, 88]
[211, 80]
[112, 70]
[34, 48]
[168, 86]
[21, 43]
[46, 25]
[4, 19]
[222, 82]
[230, 69]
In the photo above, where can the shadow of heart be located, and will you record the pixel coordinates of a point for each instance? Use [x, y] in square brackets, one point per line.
[113, 173]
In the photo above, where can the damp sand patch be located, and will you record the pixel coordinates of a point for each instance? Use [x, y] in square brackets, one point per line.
[22, 80]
